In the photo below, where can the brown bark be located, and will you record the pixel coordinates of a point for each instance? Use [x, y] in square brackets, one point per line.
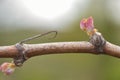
[59, 48]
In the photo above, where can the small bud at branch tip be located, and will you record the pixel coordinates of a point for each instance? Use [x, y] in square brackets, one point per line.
[87, 24]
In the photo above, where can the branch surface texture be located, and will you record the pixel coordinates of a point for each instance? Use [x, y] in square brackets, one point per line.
[59, 48]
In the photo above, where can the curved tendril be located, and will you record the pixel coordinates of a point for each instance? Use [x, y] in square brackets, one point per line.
[37, 36]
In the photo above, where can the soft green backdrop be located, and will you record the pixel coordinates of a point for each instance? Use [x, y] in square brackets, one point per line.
[68, 66]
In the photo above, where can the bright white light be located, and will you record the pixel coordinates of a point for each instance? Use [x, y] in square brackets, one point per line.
[48, 9]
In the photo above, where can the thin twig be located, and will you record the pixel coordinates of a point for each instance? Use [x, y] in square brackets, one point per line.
[59, 48]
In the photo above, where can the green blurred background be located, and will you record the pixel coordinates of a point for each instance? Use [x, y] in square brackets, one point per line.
[17, 24]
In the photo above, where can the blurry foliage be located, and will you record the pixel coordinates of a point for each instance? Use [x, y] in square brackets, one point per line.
[68, 66]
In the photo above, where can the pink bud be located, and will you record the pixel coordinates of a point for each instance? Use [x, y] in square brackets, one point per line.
[87, 24]
[7, 68]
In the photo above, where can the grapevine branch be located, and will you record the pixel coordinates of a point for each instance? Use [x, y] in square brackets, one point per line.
[20, 52]
[32, 50]
[59, 48]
